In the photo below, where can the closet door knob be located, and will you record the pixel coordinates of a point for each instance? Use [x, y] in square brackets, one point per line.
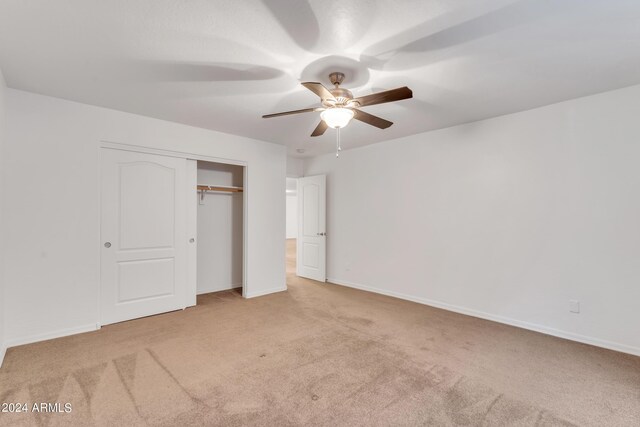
[107, 245]
[191, 240]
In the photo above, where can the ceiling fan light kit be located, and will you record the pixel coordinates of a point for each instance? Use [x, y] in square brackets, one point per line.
[337, 117]
[339, 106]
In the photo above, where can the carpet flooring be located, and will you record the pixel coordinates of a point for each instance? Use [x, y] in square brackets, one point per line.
[319, 354]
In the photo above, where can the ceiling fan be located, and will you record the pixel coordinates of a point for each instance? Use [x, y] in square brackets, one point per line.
[339, 106]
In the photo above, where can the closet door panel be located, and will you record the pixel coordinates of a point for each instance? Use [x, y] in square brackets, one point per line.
[147, 200]
[145, 279]
[144, 235]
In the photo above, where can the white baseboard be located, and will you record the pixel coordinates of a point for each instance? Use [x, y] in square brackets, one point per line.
[3, 351]
[266, 292]
[208, 290]
[496, 318]
[51, 335]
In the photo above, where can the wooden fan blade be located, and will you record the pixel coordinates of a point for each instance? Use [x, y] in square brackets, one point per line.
[386, 96]
[319, 90]
[372, 120]
[286, 113]
[320, 129]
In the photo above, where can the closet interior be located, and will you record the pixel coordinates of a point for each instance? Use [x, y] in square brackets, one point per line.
[220, 215]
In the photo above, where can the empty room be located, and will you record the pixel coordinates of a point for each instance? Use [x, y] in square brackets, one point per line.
[330, 213]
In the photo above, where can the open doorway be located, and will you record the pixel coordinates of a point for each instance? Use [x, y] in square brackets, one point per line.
[292, 223]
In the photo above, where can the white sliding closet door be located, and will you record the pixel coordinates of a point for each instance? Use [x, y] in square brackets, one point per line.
[144, 235]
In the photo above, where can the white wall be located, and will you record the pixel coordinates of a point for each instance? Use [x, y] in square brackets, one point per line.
[507, 218]
[3, 89]
[219, 229]
[292, 216]
[52, 211]
[294, 167]
[292, 208]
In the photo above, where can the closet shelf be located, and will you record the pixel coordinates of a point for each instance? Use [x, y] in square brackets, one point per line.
[220, 188]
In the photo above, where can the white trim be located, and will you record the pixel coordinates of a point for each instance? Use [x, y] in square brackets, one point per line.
[266, 292]
[3, 351]
[51, 335]
[245, 230]
[99, 241]
[495, 318]
[170, 153]
[218, 289]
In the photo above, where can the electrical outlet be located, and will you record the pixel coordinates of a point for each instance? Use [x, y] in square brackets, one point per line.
[574, 306]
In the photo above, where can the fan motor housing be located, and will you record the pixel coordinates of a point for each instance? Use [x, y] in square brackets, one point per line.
[341, 95]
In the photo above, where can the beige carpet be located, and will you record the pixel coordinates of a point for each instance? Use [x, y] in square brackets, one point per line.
[319, 354]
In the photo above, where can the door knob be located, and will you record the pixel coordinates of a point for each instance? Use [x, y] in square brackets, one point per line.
[107, 245]
[191, 240]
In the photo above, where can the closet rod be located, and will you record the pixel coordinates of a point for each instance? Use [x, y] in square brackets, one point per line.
[219, 188]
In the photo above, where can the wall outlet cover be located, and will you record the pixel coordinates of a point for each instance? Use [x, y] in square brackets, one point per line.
[574, 306]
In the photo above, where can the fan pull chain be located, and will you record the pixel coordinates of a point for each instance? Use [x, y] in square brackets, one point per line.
[338, 143]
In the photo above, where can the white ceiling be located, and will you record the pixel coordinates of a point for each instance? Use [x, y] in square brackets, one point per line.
[223, 64]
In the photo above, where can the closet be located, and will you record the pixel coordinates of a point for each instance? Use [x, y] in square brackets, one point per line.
[171, 227]
[219, 226]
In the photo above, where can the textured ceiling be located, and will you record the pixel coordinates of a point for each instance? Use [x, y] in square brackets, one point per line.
[222, 64]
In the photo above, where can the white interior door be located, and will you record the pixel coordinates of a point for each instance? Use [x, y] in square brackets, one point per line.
[143, 235]
[312, 232]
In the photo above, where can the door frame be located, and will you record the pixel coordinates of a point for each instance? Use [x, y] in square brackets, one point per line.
[183, 155]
